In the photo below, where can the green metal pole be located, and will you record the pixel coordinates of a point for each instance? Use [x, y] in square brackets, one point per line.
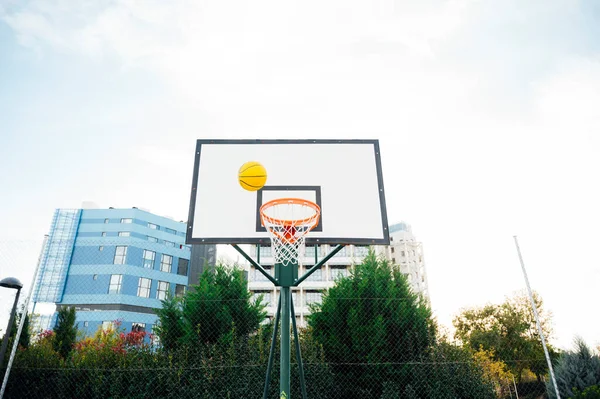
[298, 354]
[272, 351]
[284, 385]
[286, 273]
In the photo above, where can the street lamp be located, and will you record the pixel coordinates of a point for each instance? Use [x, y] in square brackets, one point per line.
[9, 282]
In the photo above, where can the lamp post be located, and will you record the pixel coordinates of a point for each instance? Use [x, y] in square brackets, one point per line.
[9, 282]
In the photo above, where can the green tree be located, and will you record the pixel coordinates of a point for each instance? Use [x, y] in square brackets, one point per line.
[24, 338]
[576, 371]
[494, 371]
[510, 331]
[170, 328]
[65, 330]
[215, 309]
[368, 322]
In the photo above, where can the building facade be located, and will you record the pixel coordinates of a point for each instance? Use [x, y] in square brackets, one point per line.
[112, 264]
[404, 251]
[407, 253]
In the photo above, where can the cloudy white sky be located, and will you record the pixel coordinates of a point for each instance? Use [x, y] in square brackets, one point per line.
[487, 112]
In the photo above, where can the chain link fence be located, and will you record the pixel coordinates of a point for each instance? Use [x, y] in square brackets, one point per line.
[121, 320]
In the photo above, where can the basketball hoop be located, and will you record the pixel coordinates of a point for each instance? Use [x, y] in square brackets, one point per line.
[288, 220]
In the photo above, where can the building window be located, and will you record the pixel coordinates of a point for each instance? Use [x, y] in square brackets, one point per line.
[101, 248]
[266, 252]
[153, 226]
[392, 249]
[106, 220]
[86, 323]
[182, 267]
[152, 239]
[138, 327]
[180, 290]
[313, 297]
[162, 290]
[108, 325]
[115, 284]
[402, 253]
[120, 255]
[361, 251]
[124, 234]
[95, 277]
[342, 253]
[169, 243]
[316, 276]
[258, 276]
[144, 287]
[127, 220]
[103, 234]
[295, 298]
[266, 297]
[166, 261]
[149, 257]
[170, 231]
[338, 272]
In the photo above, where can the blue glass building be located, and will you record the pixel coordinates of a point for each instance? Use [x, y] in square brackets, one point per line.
[112, 264]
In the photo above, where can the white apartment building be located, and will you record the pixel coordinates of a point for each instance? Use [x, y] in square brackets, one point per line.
[407, 253]
[403, 250]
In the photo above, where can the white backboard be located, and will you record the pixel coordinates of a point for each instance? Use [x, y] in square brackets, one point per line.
[342, 176]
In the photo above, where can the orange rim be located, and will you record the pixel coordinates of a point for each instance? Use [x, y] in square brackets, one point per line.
[311, 221]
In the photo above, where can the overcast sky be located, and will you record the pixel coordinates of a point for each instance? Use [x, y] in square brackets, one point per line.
[487, 113]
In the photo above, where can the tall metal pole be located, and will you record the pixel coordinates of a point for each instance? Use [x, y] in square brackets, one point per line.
[286, 273]
[537, 320]
[11, 320]
[22, 321]
[271, 351]
[284, 385]
[298, 354]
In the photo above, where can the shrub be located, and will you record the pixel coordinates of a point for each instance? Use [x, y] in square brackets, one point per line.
[37, 370]
[576, 370]
[592, 392]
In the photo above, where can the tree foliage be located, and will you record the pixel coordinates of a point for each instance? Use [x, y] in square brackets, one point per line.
[24, 338]
[65, 330]
[169, 327]
[373, 315]
[393, 339]
[509, 330]
[217, 308]
[576, 371]
[494, 371]
[592, 392]
[380, 340]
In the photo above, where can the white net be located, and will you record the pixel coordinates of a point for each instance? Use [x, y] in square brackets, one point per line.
[288, 220]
